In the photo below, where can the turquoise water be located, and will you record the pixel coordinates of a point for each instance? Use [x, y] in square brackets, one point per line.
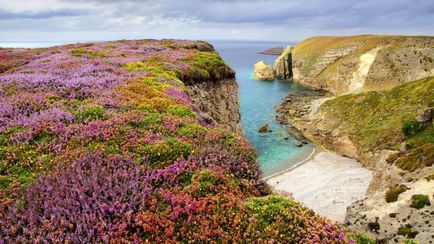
[258, 100]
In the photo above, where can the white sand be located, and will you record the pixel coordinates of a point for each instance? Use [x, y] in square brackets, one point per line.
[327, 183]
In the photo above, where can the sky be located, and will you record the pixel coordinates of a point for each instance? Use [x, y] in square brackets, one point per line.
[261, 20]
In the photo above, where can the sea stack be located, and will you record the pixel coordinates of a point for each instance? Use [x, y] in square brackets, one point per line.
[263, 71]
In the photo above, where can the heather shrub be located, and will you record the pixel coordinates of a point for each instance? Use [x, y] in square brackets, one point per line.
[80, 202]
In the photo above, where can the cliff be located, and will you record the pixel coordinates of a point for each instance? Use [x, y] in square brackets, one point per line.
[374, 104]
[100, 142]
[283, 65]
[362, 63]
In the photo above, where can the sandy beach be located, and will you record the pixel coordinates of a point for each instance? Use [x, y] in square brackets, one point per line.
[326, 182]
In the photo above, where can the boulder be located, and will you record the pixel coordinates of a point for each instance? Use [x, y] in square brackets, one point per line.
[424, 115]
[263, 71]
[264, 129]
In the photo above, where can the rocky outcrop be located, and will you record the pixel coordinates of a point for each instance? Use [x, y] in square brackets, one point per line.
[362, 63]
[283, 65]
[263, 71]
[219, 99]
[398, 220]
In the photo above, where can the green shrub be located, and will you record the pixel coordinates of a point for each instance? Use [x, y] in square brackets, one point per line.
[206, 179]
[80, 52]
[393, 193]
[361, 239]
[151, 119]
[90, 113]
[166, 152]
[419, 201]
[191, 130]
[180, 111]
[411, 127]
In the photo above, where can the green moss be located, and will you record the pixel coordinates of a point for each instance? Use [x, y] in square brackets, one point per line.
[393, 193]
[380, 126]
[420, 201]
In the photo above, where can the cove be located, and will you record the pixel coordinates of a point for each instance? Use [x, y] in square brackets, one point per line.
[258, 100]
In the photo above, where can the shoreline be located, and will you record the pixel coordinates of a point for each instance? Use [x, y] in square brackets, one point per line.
[314, 152]
[325, 182]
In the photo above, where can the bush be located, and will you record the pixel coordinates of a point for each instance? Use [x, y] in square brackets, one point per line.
[80, 202]
[361, 239]
[419, 201]
[164, 153]
[180, 111]
[90, 113]
[411, 127]
[393, 193]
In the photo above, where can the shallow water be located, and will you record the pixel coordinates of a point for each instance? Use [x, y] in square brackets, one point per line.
[258, 100]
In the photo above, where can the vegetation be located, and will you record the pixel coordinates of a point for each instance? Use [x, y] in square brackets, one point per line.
[106, 146]
[393, 193]
[381, 125]
[420, 201]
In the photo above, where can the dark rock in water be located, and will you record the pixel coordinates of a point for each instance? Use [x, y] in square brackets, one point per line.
[425, 115]
[298, 144]
[264, 129]
[286, 138]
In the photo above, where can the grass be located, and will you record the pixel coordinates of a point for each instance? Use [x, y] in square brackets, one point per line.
[380, 126]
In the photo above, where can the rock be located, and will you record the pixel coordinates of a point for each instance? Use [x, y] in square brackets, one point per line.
[263, 71]
[367, 62]
[264, 129]
[283, 65]
[424, 115]
[298, 144]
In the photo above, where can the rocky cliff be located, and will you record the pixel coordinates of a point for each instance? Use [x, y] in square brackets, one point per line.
[362, 63]
[218, 99]
[283, 65]
[375, 106]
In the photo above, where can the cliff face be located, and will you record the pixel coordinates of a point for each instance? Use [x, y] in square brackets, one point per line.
[362, 63]
[283, 65]
[219, 100]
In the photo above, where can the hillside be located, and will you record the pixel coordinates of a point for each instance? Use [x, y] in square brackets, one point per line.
[373, 101]
[362, 63]
[100, 142]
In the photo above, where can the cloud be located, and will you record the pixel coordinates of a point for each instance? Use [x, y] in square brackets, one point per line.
[216, 19]
[7, 15]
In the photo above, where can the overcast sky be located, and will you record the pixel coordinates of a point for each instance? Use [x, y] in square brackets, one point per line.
[273, 20]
